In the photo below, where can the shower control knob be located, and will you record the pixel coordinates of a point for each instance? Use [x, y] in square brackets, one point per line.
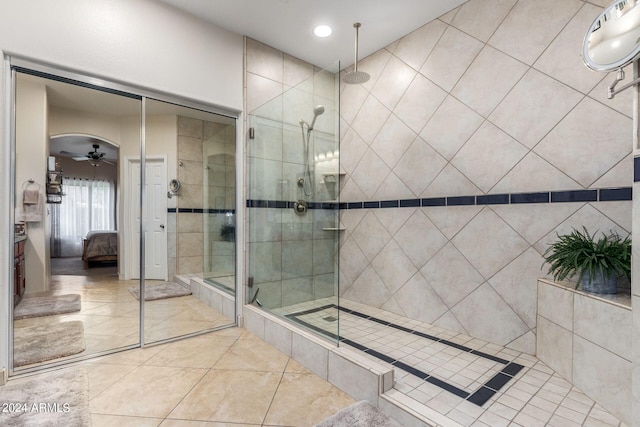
[300, 207]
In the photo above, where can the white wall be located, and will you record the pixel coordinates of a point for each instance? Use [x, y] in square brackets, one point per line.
[138, 42]
[32, 131]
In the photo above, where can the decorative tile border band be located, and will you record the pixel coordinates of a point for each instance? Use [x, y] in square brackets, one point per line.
[200, 211]
[636, 169]
[479, 397]
[284, 204]
[593, 195]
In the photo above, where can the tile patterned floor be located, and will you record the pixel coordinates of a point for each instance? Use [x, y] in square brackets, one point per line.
[230, 377]
[224, 378]
[110, 313]
[458, 367]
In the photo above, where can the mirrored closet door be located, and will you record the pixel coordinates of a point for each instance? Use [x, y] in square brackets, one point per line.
[81, 201]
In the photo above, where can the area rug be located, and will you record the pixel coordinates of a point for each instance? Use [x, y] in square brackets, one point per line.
[36, 344]
[361, 414]
[46, 306]
[55, 399]
[160, 291]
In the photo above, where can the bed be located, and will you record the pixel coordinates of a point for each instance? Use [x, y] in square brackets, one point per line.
[100, 245]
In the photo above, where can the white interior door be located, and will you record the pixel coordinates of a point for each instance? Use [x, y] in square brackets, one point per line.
[155, 219]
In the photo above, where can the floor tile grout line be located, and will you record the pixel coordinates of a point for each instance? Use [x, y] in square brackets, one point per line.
[479, 397]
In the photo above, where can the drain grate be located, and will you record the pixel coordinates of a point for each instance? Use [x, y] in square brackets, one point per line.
[330, 318]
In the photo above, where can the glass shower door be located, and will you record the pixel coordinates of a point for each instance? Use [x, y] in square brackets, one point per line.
[292, 206]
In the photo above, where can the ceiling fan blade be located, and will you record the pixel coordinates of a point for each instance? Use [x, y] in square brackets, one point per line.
[80, 158]
[107, 162]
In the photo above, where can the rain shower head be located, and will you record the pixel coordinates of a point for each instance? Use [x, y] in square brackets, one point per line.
[318, 109]
[356, 77]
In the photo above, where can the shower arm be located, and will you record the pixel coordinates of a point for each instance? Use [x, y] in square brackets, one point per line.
[355, 63]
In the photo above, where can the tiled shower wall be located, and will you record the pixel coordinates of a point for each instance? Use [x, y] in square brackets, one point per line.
[187, 246]
[489, 99]
[291, 258]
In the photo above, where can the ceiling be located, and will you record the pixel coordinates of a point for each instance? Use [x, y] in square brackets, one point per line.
[287, 25]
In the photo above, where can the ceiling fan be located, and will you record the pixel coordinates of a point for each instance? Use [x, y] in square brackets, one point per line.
[94, 157]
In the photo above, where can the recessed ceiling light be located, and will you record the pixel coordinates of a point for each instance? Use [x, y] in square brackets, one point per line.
[322, 31]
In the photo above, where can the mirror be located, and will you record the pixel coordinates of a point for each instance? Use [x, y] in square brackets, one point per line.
[78, 280]
[199, 149]
[613, 40]
[75, 300]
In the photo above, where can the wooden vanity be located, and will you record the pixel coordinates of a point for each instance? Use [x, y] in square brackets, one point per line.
[19, 273]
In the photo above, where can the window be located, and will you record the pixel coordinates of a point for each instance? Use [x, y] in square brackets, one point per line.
[87, 205]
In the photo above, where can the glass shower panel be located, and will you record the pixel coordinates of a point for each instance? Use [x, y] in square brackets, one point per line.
[219, 157]
[292, 206]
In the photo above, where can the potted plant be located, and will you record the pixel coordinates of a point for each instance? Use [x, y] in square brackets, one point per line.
[597, 262]
[228, 232]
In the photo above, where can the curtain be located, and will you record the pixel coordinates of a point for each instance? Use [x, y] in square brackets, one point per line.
[87, 204]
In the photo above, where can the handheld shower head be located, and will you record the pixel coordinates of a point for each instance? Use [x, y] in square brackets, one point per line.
[318, 109]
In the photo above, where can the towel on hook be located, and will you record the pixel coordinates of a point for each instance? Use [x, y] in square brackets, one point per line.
[31, 212]
[31, 196]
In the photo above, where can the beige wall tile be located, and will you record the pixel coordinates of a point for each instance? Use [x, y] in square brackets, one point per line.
[487, 80]
[603, 324]
[416, 46]
[454, 43]
[475, 18]
[555, 347]
[556, 304]
[529, 27]
[603, 376]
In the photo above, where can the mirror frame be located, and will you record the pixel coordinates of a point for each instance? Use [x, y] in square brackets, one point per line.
[624, 60]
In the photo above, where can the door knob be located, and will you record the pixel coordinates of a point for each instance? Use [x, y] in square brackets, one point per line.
[162, 226]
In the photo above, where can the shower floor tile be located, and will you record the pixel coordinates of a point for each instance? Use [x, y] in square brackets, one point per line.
[470, 381]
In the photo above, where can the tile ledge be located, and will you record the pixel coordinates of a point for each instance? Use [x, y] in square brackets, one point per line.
[621, 299]
[421, 412]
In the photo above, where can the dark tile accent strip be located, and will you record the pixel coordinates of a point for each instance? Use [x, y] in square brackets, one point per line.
[461, 201]
[434, 201]
[409, 203]
[381, 356]
[498, 381]
[636, 169]
[479, 397]
[489, 356]
[427, 336]
[171, 210]
[278, 204]
[591, 195]
[417, 372]
[493, 199]
[354, 344]
[512, 369]
[530, 197]
[574, 196]
[616, 194]
[448, 387]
